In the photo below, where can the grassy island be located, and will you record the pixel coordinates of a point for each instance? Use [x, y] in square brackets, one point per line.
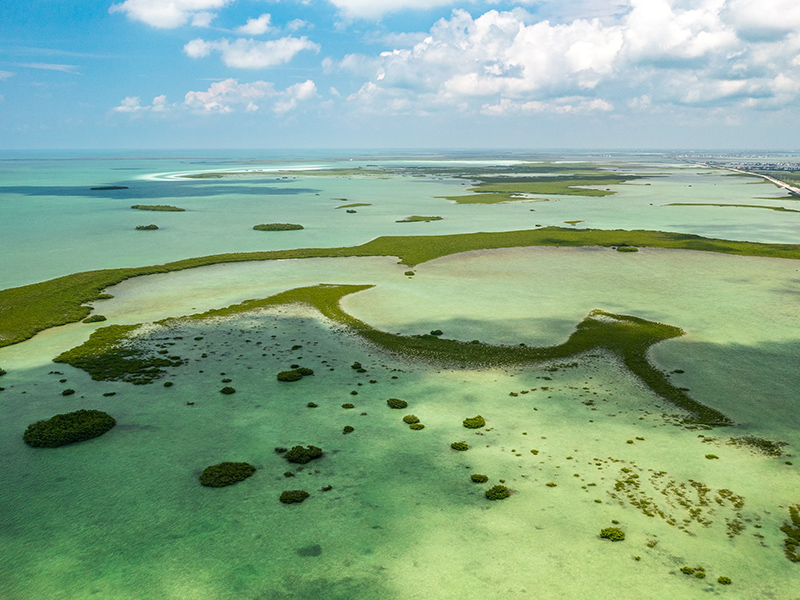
[68, 428]
[474, 422]
[791, 529]
[419, 219]
[226, 473]
[26, 310]
[353, 205]
[158, 207]
[150, 227]
[278, 227]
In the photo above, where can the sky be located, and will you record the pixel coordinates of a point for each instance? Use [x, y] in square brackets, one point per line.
[530, 74]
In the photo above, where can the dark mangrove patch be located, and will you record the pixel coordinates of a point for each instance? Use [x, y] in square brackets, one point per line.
[68, 428]
[226, 473]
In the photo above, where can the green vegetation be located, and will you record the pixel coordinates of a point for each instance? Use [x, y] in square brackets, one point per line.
[712, 456]
[158, 207]
[627, 249]
[776, 208]
[94, 319]
[67, 392]
[791, 529]
[474, 422]
[626, 336]
[278, 227]
[492, 190]
[348, 429]
[292, 496]
[26, 310]
[410, 419]
[760, 445]
[416, 426]
[419, 219]
[460, 446]
[226, 473]
[2, 372]
[615, 534]
[109, 187]
[301, 456]
[354, 205]
[227, 390]
[110, 354]
[348, 405]
[68, 428]
[150, 227]
[478, 478]
[724, 580]
[293, 375]
[396, 403]
[498, 492]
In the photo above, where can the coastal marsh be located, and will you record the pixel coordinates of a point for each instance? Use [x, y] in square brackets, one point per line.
[582, 442]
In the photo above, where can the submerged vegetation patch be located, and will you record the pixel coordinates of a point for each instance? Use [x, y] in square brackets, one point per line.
[760, 445]
[226, 473]
[68, 428]
[791, 529]
[112, 354]
[615, 534]
[498, 492]
[293, 496]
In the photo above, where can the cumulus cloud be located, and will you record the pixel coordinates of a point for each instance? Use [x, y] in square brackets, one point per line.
[685, 52]
[226, 97]
[250, 54]
[374, 9]
[5, 75]
[168, 14]
[257, 26]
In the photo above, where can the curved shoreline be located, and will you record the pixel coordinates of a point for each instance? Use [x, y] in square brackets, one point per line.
[27, 310]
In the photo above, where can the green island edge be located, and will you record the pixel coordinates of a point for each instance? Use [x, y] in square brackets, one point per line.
[105, 355]
[29, 309]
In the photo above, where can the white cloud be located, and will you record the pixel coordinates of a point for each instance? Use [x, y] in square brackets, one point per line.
[257, 26]
[5, 75]
[297, 24]
[374, 9]
[226, 97]
[654, 52]
[51, 67]
[250, 54]
[167, 14]
[203, 19]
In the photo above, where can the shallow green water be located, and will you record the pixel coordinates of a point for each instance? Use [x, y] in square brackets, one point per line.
[124, 516]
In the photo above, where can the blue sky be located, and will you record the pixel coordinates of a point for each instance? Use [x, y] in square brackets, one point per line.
[400, 73]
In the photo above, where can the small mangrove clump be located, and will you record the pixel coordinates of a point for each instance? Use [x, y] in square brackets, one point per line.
[498, 492]
[348, 405]
[67, 428]
[226, 473]
[278, 227]
[724, 580]
[301, 456]
[94, 319]
[474, 422]
[411, 419]
[615, 534]
[792, 531]
[348, 429]
[227, 390]
[478, 478]
[2, 372]
[627, 249]
[460, 446]
[295, 374]
[150, 227]
[292, 496]
[416, 426]
[67, 392]
[396, 403]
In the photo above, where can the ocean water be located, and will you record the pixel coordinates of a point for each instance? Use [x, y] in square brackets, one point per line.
[124, 516]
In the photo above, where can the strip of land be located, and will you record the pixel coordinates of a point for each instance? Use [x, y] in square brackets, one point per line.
[29, 309]
[776, 208]
[107, 355]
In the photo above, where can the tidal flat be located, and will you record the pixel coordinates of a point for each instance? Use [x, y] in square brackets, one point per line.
[581, 442]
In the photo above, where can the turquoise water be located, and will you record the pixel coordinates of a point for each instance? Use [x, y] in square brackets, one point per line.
[124, 516]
